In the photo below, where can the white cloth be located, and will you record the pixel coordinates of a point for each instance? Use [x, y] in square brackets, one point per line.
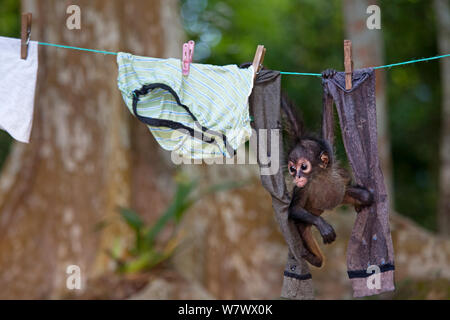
[17, 86]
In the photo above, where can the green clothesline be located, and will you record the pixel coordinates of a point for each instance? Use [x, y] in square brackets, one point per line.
[75, 48]
[282, 72]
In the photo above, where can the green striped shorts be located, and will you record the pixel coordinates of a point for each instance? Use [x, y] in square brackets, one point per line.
[202, 115]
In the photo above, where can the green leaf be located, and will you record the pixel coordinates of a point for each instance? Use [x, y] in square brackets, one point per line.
[145, 261]
[175, 211]
[116, 249]
[131, 218]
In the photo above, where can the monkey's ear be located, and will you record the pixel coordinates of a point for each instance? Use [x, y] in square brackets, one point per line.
[324, 159]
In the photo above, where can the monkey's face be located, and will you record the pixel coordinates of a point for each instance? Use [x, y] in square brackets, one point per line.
[300, 171]
[308, 157]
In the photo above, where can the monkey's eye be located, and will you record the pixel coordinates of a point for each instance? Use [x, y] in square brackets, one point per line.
[292, 169]
[305, 167]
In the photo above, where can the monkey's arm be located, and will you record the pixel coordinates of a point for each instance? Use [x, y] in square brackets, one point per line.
[358, 196]
[299, 214]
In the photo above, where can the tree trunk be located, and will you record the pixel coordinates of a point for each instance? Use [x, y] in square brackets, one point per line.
[442, 8]
[87, 155]
[233, 245]
[368, 51]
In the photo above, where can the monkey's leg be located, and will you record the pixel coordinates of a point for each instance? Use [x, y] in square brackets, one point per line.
[358, 196]
[315, 256]
[301, 215]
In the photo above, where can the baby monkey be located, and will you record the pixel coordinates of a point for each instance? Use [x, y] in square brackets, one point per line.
[320, 184]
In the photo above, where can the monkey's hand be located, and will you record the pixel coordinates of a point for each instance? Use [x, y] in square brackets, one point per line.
[329, 73]
[326, 230]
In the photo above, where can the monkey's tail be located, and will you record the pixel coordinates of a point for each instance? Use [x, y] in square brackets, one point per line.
[293, 121]
[314, 255]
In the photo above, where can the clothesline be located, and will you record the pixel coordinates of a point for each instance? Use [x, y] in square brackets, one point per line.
[379, 67]
[281, 72]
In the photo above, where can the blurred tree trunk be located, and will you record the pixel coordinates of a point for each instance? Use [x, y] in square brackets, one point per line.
[232, 245]
[87, 155]
[442, 9]
[368, 49]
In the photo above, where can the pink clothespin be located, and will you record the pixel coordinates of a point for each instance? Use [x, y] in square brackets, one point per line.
[188, 54]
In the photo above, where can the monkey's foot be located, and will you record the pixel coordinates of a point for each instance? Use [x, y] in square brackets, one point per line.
[326, 231]
[328, 73]
[358, 196]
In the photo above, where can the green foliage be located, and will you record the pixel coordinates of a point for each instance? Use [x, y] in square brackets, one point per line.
[182, 201]
[10, 18]
[5, 146]
[131, 218]
[146, 251]
[414, 96]
[292, 32]
[307, 36]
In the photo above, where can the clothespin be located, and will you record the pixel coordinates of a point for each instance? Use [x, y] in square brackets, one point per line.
[25, 34]
[188, 54]
[258, 59]
[348, 64]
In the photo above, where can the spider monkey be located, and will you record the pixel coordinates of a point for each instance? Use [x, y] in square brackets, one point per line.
[320, 184]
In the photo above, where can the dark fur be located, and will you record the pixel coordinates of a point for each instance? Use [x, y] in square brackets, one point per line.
[328, 184]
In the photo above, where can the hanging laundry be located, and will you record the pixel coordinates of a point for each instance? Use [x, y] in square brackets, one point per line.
[202, 115]
[17, 87]
[370, 243]
[266, 103]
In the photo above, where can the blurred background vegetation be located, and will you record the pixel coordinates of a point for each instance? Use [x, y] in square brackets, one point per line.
[292, 32]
